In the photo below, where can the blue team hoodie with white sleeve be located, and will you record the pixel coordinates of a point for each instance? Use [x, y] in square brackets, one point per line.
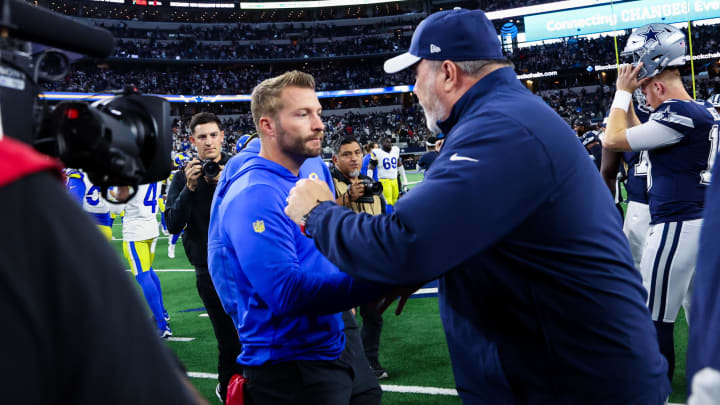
[284, 297]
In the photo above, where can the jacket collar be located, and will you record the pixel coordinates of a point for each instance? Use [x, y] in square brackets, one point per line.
[474, 95]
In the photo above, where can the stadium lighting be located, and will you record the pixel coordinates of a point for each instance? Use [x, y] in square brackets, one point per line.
[308, 4]
[201, 5]
[544, 8]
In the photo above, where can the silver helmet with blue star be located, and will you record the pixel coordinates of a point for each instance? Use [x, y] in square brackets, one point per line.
[657, 46]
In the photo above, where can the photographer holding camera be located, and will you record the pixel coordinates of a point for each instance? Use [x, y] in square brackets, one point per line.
[352, 188]
[361, 194]
[188, 207]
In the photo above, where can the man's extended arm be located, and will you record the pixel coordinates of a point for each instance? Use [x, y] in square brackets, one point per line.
[402, 248]
[263, 239]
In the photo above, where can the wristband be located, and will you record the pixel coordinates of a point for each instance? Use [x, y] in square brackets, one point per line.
[622, 100]
[302, 225]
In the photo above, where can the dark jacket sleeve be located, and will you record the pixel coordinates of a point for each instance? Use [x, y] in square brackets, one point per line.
[179, 204]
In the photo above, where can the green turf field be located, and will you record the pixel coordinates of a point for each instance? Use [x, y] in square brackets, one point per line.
[412, 349]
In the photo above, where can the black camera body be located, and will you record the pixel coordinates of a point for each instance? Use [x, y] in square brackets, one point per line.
[371, 190]
[210, 168]
[122, 140]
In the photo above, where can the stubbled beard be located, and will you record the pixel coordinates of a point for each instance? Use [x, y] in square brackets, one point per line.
[297, 146]
[433, 113]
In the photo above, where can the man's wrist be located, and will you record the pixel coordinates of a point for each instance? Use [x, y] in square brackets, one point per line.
[622, 100]
[305, 222]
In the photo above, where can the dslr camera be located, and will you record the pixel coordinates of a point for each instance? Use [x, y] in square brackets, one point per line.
[122, 140]
[208, 167]
[371, 190]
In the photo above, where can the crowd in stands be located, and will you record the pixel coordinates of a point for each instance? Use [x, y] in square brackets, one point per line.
[572, 53]
[88, 78]
[190, 49]
[592, 104]
[254, 32]
[406, 126]
[492, 5]
[151, 12]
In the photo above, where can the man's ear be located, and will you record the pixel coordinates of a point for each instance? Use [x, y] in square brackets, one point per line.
[450, 78]
[266, 126]
[334, 159]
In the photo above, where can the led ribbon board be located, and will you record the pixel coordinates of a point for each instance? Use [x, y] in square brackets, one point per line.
[618, 16]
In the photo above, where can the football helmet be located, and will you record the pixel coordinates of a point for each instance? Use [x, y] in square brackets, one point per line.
[657, 46]
[590, 137]
[244, 140]
[180, 159]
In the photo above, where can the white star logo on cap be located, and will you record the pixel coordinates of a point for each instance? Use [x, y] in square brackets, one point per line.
[434, 48]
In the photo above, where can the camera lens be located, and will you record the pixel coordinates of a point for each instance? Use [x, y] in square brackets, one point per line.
[210, 168]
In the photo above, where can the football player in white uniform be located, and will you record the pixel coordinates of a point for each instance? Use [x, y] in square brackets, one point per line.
[140, 233]
[386, 160]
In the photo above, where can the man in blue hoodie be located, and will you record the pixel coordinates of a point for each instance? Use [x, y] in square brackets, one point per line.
[540, 302]
[284, 297]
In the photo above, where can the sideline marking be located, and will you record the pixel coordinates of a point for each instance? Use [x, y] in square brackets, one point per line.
[413, 389]
[180, 339]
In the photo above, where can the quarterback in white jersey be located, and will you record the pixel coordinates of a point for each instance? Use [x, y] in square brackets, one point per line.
[140, 232]
[386, 160]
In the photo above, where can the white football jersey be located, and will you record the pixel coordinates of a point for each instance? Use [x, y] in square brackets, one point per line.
[140, 221]
[387, 163]
[93, 201]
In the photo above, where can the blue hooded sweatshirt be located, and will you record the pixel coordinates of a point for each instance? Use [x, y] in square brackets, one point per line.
[283, 296]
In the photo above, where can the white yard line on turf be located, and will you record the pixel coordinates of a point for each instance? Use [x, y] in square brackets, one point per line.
[412, 389]
[180, 339]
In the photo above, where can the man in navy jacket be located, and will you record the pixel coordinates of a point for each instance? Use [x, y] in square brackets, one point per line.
[540, 301]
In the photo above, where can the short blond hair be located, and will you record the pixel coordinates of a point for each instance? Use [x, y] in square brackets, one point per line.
[265, 98]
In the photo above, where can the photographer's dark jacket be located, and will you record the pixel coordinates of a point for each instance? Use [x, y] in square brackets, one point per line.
[190, 210]
[342, 184]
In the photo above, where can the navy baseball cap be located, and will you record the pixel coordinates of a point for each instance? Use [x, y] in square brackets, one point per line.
[456, 35]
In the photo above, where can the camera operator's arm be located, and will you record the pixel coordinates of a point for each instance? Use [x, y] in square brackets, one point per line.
[178, 206]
